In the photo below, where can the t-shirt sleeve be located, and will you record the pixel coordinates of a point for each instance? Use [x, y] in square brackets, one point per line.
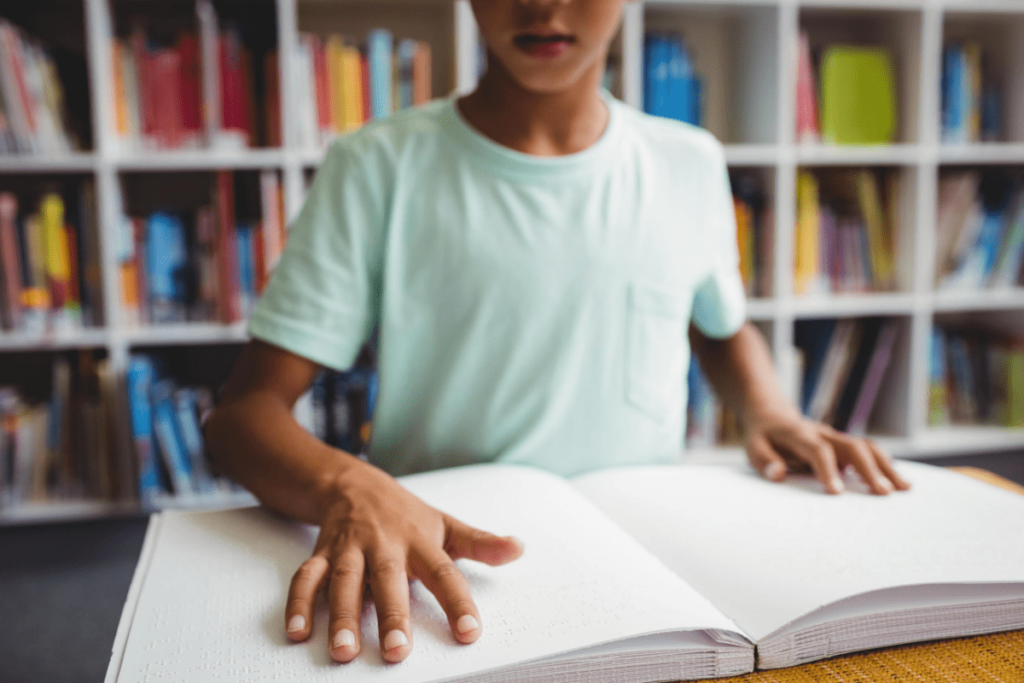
[719, 306]
[322, 300]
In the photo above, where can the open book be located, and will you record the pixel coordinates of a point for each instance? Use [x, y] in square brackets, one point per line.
[635, 574]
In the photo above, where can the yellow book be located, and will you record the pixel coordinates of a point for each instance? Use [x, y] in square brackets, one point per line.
[335, 50]
[805, 258]
[745, 241]
[972, 53]
[352, 87]
[120, 100]
[57, 250]
[36, 295]
[879, 241]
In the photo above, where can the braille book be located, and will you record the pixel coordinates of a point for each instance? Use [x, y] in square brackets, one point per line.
[633, 574]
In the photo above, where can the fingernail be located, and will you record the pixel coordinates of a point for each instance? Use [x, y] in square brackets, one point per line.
[837, 485]
[774, 470]
[885, 485]
[395, 639]
[344, 638]
[467, 623]
[296, 623]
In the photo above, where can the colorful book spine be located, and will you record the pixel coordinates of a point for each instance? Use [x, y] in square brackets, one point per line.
[380, 46]
[10, 259]
[139, 380]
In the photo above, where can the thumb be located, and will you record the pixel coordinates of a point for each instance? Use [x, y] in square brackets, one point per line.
[765, 460]
[464, 541]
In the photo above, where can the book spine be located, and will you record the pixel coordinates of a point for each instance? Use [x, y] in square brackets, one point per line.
[380, 48]
[139, 379]
[11, 262]
[227, 260]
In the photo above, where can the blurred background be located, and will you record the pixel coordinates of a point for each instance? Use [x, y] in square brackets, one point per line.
[152, 154]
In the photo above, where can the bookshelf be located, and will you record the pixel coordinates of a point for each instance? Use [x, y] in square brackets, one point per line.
[747, 51]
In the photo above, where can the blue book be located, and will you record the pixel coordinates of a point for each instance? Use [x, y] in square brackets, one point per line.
[954, 128]
[139, 379]
[658, 67]
[246, 267]
[1007, 271]
[990, 238]
[406, 54]
[166, 264]
[379, 46]
[168, 439]
[187, 414]
[813, 337]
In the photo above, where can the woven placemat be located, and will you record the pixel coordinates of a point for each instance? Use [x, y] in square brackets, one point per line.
[992, 658]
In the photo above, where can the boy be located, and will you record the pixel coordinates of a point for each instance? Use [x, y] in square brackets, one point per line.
[532, 255]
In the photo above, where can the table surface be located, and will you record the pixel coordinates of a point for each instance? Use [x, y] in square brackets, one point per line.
[62, 587]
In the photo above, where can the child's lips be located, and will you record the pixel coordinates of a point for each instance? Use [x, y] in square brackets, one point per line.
[544, 46]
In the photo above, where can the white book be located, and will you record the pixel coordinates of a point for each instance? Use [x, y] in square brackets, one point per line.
[631, 574]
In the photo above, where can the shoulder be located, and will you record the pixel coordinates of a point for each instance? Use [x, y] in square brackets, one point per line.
[385, 142]
[677, 142]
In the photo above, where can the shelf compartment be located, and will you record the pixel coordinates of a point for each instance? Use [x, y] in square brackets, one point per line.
[1000, 37]
[898, 30]
[735, 50]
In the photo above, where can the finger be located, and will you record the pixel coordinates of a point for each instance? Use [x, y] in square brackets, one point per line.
[819, 453]
[345, 597]
[462, 540]
[439, 574]
[389, 585]
[306, 584]
[765, 460]
[884, 461]
[856, 452]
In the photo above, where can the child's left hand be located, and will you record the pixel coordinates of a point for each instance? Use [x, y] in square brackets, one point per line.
[781, 439]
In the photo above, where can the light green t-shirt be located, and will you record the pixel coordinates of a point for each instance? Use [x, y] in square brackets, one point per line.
[530, 309]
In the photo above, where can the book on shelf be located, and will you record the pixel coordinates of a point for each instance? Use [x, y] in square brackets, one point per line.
[341, 83]
[755, 233]
[197, 91]
[671, 86]
[845, 94]
[208, 264]
[845, 231]
[33, 115]
[976, 377]
[844, 364]
[50, 256]
[980, 230]
[343, 402]
[64, 446]
[972, 102]
[629, 574]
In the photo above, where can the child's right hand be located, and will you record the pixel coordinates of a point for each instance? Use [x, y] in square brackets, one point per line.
[375, 532]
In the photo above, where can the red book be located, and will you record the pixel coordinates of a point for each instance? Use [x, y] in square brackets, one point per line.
[165, 71]
[9, 260]
[191, 83]
[323, 85]
[74, 293]
[16, 60]
[272, 100]
[364, 70]
[234, 104]
[227, 249]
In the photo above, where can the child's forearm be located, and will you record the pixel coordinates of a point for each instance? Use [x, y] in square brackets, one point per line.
[256, 441]
[741, 371]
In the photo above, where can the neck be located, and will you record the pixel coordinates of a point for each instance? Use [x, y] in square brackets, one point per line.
[542, 124]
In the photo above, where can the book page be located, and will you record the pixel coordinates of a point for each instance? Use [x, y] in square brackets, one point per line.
[766, 554]
[212, 603]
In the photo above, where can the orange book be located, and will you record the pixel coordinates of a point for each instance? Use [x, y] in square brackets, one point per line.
[421, 74]
[10, 261]
[119, 93]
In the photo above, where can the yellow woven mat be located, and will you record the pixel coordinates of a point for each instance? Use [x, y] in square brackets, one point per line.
[993, 658]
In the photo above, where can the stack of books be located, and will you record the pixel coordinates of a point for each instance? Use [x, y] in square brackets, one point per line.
[340, 84]
[198, 91]
[976, 378]
[64, 446]
[845, 231]
[755, 233]
[672, 87]
[844, 365]
[972, 103]
[166, 435]
[980, 233]
[207, 265]
[33, 118]
[49, 262]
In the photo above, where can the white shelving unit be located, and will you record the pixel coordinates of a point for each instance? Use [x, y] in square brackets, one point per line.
[747, 49]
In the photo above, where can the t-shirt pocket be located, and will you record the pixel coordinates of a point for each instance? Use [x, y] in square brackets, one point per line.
[657, 320]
